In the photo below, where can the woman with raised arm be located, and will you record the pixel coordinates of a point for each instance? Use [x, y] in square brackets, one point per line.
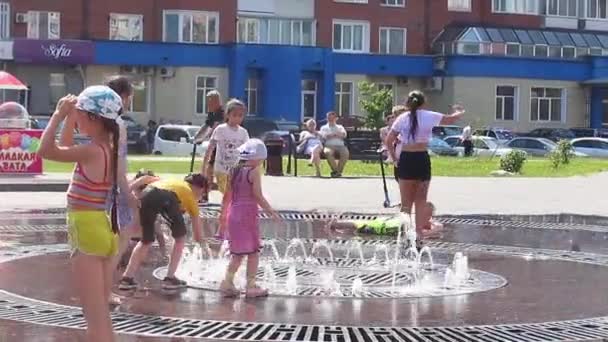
[415, 130]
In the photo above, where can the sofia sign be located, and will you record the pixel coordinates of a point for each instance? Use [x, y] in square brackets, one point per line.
[18, 149]
[54, 51]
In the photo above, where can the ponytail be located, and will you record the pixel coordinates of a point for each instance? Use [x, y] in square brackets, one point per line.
[415, 100]
[111, 126]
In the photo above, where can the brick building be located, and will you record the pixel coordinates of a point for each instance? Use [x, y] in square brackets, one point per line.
[514, 63]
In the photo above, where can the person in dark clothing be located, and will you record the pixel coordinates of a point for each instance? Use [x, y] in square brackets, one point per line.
[215, 116]
[151, 132]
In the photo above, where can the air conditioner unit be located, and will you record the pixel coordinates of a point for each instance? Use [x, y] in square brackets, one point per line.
[21, 18]
[434, 84]
[439, 63]
[402, 81]
[166, 72]
[582, 24]
[146, 70]
[128, 69]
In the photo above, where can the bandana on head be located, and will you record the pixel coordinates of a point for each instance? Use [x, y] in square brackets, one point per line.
[100, 100]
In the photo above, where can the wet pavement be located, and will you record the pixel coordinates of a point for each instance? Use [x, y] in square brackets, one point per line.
[568, 283]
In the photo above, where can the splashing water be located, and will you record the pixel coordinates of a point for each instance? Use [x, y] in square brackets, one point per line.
[291, 285]
[273, 247]
[322, 244]
[425, 250]
[291, 251]
[357, 289]
[358, 247]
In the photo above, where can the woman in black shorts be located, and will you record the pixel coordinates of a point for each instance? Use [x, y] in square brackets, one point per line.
[415, 129]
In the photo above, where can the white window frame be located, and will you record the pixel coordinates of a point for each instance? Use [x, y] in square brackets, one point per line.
[147, 84]
[459, 5]
[53, 82]
[563, 105]
[34, 19]
[388, 29]
[181, 14]
[513, 4]
[305, 92]
[352, 1]
[597, 15]
[250, 90]
[266, 40]
[558, 7]
[205, 92]
[341, 93]
[365, 34]
[515, 102]
[392, 3]
[5, 20]
[129, 17]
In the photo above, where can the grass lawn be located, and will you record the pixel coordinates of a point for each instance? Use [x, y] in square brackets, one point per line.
[442, 166]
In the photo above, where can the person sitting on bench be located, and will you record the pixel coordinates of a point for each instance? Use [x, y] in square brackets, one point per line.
[334, 136]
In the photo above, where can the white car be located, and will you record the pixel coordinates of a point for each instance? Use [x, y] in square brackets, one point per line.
[176, 140]
[591, 147]
[482, 146]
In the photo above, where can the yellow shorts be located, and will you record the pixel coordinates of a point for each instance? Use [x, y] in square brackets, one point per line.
[90, 232]
[222, 182]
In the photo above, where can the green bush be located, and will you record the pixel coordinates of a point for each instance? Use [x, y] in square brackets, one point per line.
[562, 154]
[513, 161]
[375, 103]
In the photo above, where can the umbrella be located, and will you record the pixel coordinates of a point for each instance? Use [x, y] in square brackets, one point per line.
[10, 82]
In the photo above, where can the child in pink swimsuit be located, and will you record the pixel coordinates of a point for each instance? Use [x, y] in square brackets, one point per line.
[240, 217]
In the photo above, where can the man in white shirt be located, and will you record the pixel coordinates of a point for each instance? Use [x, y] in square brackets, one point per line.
[467, 141]
[333, 137]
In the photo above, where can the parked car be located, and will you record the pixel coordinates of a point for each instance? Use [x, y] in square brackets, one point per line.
[539, 147]
[446, 131]
[136, 135]
[500, 134]
[176, 140]
[592, 147]
[590, 132]
[554, 134]
[41, 121]
[441, 148]
[266, 129]
[482, 146]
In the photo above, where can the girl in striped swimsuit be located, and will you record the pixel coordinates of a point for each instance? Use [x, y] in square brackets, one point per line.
[92, 234]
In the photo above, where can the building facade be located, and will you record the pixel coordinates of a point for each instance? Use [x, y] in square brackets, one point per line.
[517, 64]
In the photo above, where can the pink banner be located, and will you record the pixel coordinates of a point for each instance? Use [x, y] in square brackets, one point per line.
[18, 149]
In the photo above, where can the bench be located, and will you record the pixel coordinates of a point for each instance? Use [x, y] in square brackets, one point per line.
[362, 145]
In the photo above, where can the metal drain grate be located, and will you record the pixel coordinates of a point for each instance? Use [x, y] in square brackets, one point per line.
[521, 224]
[26, 310]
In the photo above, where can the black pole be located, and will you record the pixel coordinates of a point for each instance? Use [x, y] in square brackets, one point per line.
[193, 157]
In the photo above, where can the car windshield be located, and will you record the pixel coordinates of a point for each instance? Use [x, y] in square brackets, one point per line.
[564, 133]
[130, 122]
[548, 142]
[192, 131]
[438, 143]
[452, 130]
[504, 135]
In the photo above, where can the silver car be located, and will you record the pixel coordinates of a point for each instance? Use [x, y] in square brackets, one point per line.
[592, 147]
[539, 147]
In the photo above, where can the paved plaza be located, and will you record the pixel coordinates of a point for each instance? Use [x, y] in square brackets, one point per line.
[451, 195]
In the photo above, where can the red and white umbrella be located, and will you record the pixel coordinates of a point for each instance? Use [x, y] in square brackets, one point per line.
[10, 82]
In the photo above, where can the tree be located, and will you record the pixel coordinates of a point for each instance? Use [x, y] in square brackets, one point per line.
[375, 102]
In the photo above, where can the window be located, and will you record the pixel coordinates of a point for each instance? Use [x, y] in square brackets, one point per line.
[173, 134]
[392, 41]
[597, 9]
[139, 100]
[513, 49]
[190, 27]
[57, 88]
[276, 31]
[251, 91]
[395, 3]
[546, 104]
[353, 1]
[562, 8]
[43, 25]
[351, 36]
[5, 20]
[516, 6]
[309, 98]
[126, 27]
[506, 102]
[459, 5]
[343, 98]
[204, 84]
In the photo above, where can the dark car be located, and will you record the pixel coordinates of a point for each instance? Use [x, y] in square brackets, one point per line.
[442, 148]
[553, 134]
[265, 129]
[446, 131]
[582, 132]
[136, 135]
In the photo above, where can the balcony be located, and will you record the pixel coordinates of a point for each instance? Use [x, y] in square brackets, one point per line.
[277, 8]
